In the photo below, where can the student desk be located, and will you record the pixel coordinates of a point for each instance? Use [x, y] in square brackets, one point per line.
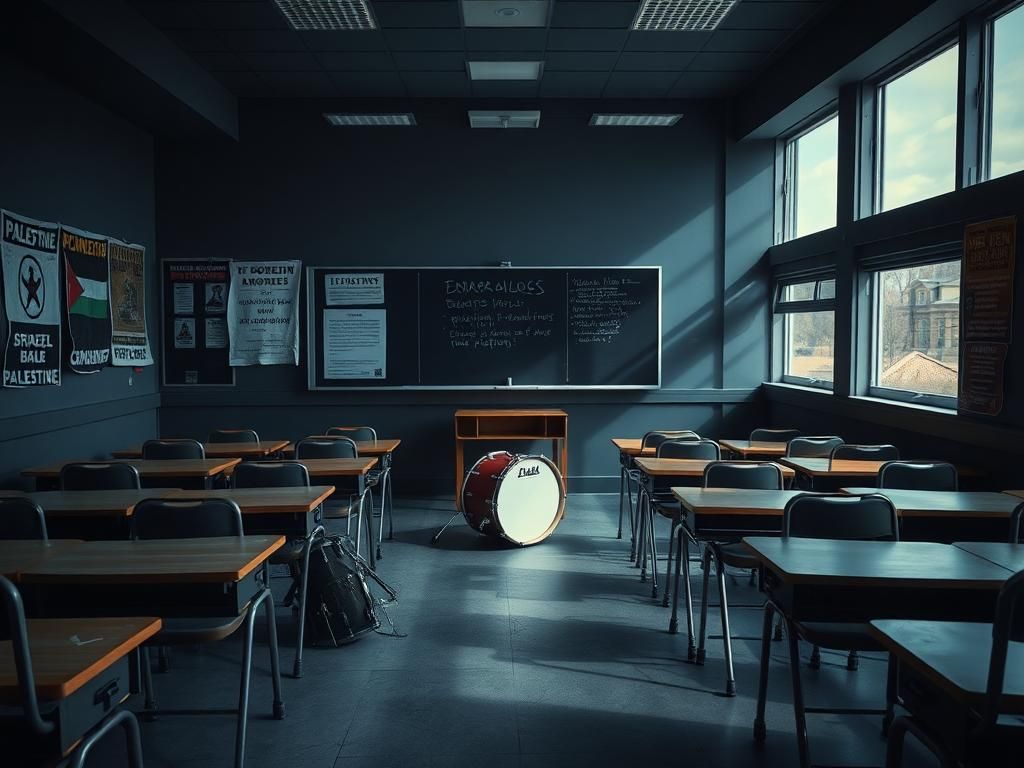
[22, 555]
[1004, 554]
[83, 670]
[754, 449]
[192, 472]
[818, 470]
[628, 447]
[356, 471]
[258, 450]
[948, 516]
[89, 514]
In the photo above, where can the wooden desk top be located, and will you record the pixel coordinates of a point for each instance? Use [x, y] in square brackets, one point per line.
[875, 563]
[17, 556]
[368, 447]
[220, 450]
[762, 448]
[262, 501]
[156, 561]
[117, 503]
[840, 468]
[682, 467]
[339, 467]
[954, 656]
[631, 446]
[1002, 553]
[149, 467]
[944, 503]
[734, 501]
[1018, 494]
[64, 659]
[499, 412]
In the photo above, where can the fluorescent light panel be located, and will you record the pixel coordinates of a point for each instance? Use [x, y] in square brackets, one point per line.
[504, 70]
[675, 15]
[645, 121]
[350, 120]
[306, 15]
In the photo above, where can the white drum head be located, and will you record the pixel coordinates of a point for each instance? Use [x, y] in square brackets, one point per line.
[529, 500]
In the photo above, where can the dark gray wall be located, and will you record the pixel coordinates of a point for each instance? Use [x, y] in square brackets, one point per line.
[442, 194]
[65, 159]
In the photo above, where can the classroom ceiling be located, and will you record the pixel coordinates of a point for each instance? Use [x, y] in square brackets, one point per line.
[422, 47]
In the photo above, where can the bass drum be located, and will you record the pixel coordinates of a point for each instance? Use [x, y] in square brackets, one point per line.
[514, 497]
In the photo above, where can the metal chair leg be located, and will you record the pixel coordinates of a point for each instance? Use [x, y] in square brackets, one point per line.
[275, 658]
[391, 506]
[903, 725]
[243, 688]
[622, 492]
[892, 678]
[799, 712]
[654, 548]
[673, 623]
[133, 739]
[815, 661]
[705, 564]
[668, 563]
[303, 592]
[852, 661]
[684, 556]
[147, 685]
[760, 729]
[723, 603]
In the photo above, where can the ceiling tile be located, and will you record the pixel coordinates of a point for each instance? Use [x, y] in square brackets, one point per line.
[586, 39]
[443, 84]
[703, 84]
[220, 61]
[607, 13]
[487, 13]
[198, 40]
[263, 40]
[355, 60]
[727, 62]
[240, 15]
[431, 61]
[362, 40]
[769, 15]
[745, 40]
[644, 61]
[505, 56]
[583, 61]
[281, 61]
[244, 84]
[424, 40]
[368, 83]
[167, 14]
[301, 84]
[417, 13]
[506, 39]
[573, 85]
[639, 84]
[667, 41]
[507, 90]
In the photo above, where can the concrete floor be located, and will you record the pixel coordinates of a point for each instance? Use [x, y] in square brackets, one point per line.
[554, 655]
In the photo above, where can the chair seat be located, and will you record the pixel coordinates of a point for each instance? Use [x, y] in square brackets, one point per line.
[841, 636]
[332, 512]
[669, 508]
[737, 554]
[197, 629]
[289, 553]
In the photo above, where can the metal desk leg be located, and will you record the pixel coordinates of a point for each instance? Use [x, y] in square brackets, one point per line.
[370, 554]
[303, 591]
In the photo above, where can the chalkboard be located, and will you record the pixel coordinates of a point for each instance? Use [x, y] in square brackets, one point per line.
[484, 327]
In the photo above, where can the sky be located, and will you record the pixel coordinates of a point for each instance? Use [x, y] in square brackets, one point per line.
[1008, 95]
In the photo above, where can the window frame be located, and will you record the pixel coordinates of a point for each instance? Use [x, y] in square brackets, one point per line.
[781, 309]
[986, 86]
[787, 163]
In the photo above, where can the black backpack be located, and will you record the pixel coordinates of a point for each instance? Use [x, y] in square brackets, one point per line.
[340, 608]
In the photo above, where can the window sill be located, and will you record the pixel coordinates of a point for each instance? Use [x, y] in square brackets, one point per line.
[936, 409]
[789, 385]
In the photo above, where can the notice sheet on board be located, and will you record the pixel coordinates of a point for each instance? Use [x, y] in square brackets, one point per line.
[355, 344]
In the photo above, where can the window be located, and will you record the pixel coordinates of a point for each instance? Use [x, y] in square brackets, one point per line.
[916, 344]
[805, 330]
[917, 133]
[810, 183]
[1006, 116]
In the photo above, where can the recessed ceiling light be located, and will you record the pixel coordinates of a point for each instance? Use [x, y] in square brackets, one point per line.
[306, 15]
[636, 121]
[666, 15]
[505, 13]
[504, 119]
[504, 70]
[350, 120]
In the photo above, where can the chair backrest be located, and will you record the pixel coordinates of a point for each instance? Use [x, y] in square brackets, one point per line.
[173, 449]
[14, 628]
[1016, 518]
[270, 474]
[812, 447]
[359, 434]
[918, 476]
[773, 435]
[326, 448]
[865, 452]
[1007, 627]
[654, 439]
[21, 519]
[690, 449]
[753, 475]
[233, 436]
[192, 519]
[99, 476]
[870, 517]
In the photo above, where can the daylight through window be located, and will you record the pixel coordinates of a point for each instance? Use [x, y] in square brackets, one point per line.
[811, 182]
[1006, 154]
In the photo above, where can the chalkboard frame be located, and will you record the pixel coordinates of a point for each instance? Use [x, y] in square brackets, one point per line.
[313, 338]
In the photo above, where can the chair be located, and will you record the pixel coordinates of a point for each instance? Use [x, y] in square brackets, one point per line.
[33, 723]
[848, 451]
[359, 434]
[753, 475]
[326, 448]
[233, 436]
[870, 517]
[168, 518]
[1016, 520]
[773, 435]
[812, 447]
[21, 518]
[380, 477]
[707, 450]
[173, 449]
[918, 476]
[99, 476]
[995, 741]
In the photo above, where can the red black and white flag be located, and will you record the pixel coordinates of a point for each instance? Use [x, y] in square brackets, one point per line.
[88, 304]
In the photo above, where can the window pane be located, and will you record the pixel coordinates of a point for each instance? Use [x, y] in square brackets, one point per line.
[809, 345]
[917, 340]
[815, 160]
[798, 292]
[827, 289]
[1007, 86]
[919, 132]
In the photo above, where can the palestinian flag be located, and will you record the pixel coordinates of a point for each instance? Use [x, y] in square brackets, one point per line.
[88, 304]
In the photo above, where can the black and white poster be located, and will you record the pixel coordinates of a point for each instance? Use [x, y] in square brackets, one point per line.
[32, 299]
[263, 312]
[88, 303]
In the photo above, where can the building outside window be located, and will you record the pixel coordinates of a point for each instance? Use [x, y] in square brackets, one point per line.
[806, 331]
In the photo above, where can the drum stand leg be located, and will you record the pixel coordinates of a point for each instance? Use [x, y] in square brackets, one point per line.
[443, 527]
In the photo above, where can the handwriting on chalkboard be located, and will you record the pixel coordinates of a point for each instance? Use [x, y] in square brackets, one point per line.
[598, 306]
[500, 314]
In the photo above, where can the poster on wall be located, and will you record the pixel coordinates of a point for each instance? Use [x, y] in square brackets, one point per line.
[195, 350]
[263, 312]
[129, 342]
[28, 252]
[84, 256]
[986, 314]
[360, 288]
[355, 343]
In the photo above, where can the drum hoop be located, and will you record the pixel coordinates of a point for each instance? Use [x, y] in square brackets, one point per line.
[561, 502]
